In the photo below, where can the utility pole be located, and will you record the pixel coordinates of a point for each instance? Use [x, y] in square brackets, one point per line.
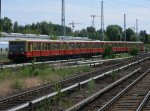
[137, 29]
[63, 19]
[0, 9]
[125, 27]
[93, 22]
[0, 16]
[102, 21]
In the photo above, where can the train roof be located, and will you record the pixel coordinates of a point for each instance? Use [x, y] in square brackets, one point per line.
[76, 41]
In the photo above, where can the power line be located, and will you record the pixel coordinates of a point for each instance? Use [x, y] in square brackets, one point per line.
[125, 11]
[129, 4]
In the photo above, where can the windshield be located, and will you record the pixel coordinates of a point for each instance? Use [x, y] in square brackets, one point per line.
[17, 46]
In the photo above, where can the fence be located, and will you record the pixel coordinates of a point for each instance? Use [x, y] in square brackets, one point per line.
[3, 52]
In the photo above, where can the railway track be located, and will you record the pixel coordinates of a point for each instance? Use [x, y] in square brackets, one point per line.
[16, 101]
[58, 63]
[130, 98]
[145, 104]
[127, 95]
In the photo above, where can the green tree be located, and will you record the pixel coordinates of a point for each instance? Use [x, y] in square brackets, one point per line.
[1, 20]
[114, 33]
[130, 35]
[108, 52]
[143, 36]
[7, 25]
[133, 51]
[15, 27]
[92, 34]
[83, 33]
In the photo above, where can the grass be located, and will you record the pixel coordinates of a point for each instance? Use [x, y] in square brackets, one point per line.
[30, 76]
[91, 86]
[114, 75]
[122, 55]
[3, 58]
[147, 47]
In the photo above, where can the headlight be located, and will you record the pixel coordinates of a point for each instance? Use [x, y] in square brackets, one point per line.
[22, 52]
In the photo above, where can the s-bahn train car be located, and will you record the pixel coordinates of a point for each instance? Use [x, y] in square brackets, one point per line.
[26, 50]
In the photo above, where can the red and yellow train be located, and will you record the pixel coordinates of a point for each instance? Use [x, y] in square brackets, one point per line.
[48, 49]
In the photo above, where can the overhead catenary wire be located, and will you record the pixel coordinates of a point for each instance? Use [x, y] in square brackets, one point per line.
[129, 4]
[125, 11]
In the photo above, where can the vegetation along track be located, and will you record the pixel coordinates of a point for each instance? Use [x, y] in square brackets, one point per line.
[68, 62]
[33, 94]
[124, 96]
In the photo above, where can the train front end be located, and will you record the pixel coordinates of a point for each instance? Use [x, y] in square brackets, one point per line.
[17, 51]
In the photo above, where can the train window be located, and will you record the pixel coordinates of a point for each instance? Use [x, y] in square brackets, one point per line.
[83, 45]
[71, 46]
[58, 46]
[49, 46]
[53, 46]
[61, 46]
[101, 45]
[112, 45]
[13, 46]
[97, 45]
[34, 46]
[21, 46]
[42, 48]
[66, 45]
[29, 47]
[45, 46]
[38, 46]
[89, 45]
[116, 44]
[75, 45]
[104, 45]
[92, 45]
[78, 45]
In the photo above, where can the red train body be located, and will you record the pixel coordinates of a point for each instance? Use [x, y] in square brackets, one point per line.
[30, 49]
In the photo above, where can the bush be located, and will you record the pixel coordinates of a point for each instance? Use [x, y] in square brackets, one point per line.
[133, 51]
[114, 75]
[91, 86]
[33, 70]
[108, 53]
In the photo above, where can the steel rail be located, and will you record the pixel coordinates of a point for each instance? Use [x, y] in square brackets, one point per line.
[84, 102]
[75, 61]
[123, 92]
[73, 86]
[141, 106]
[70, 87]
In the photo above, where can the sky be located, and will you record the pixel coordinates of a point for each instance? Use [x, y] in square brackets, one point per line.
[79, 11]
